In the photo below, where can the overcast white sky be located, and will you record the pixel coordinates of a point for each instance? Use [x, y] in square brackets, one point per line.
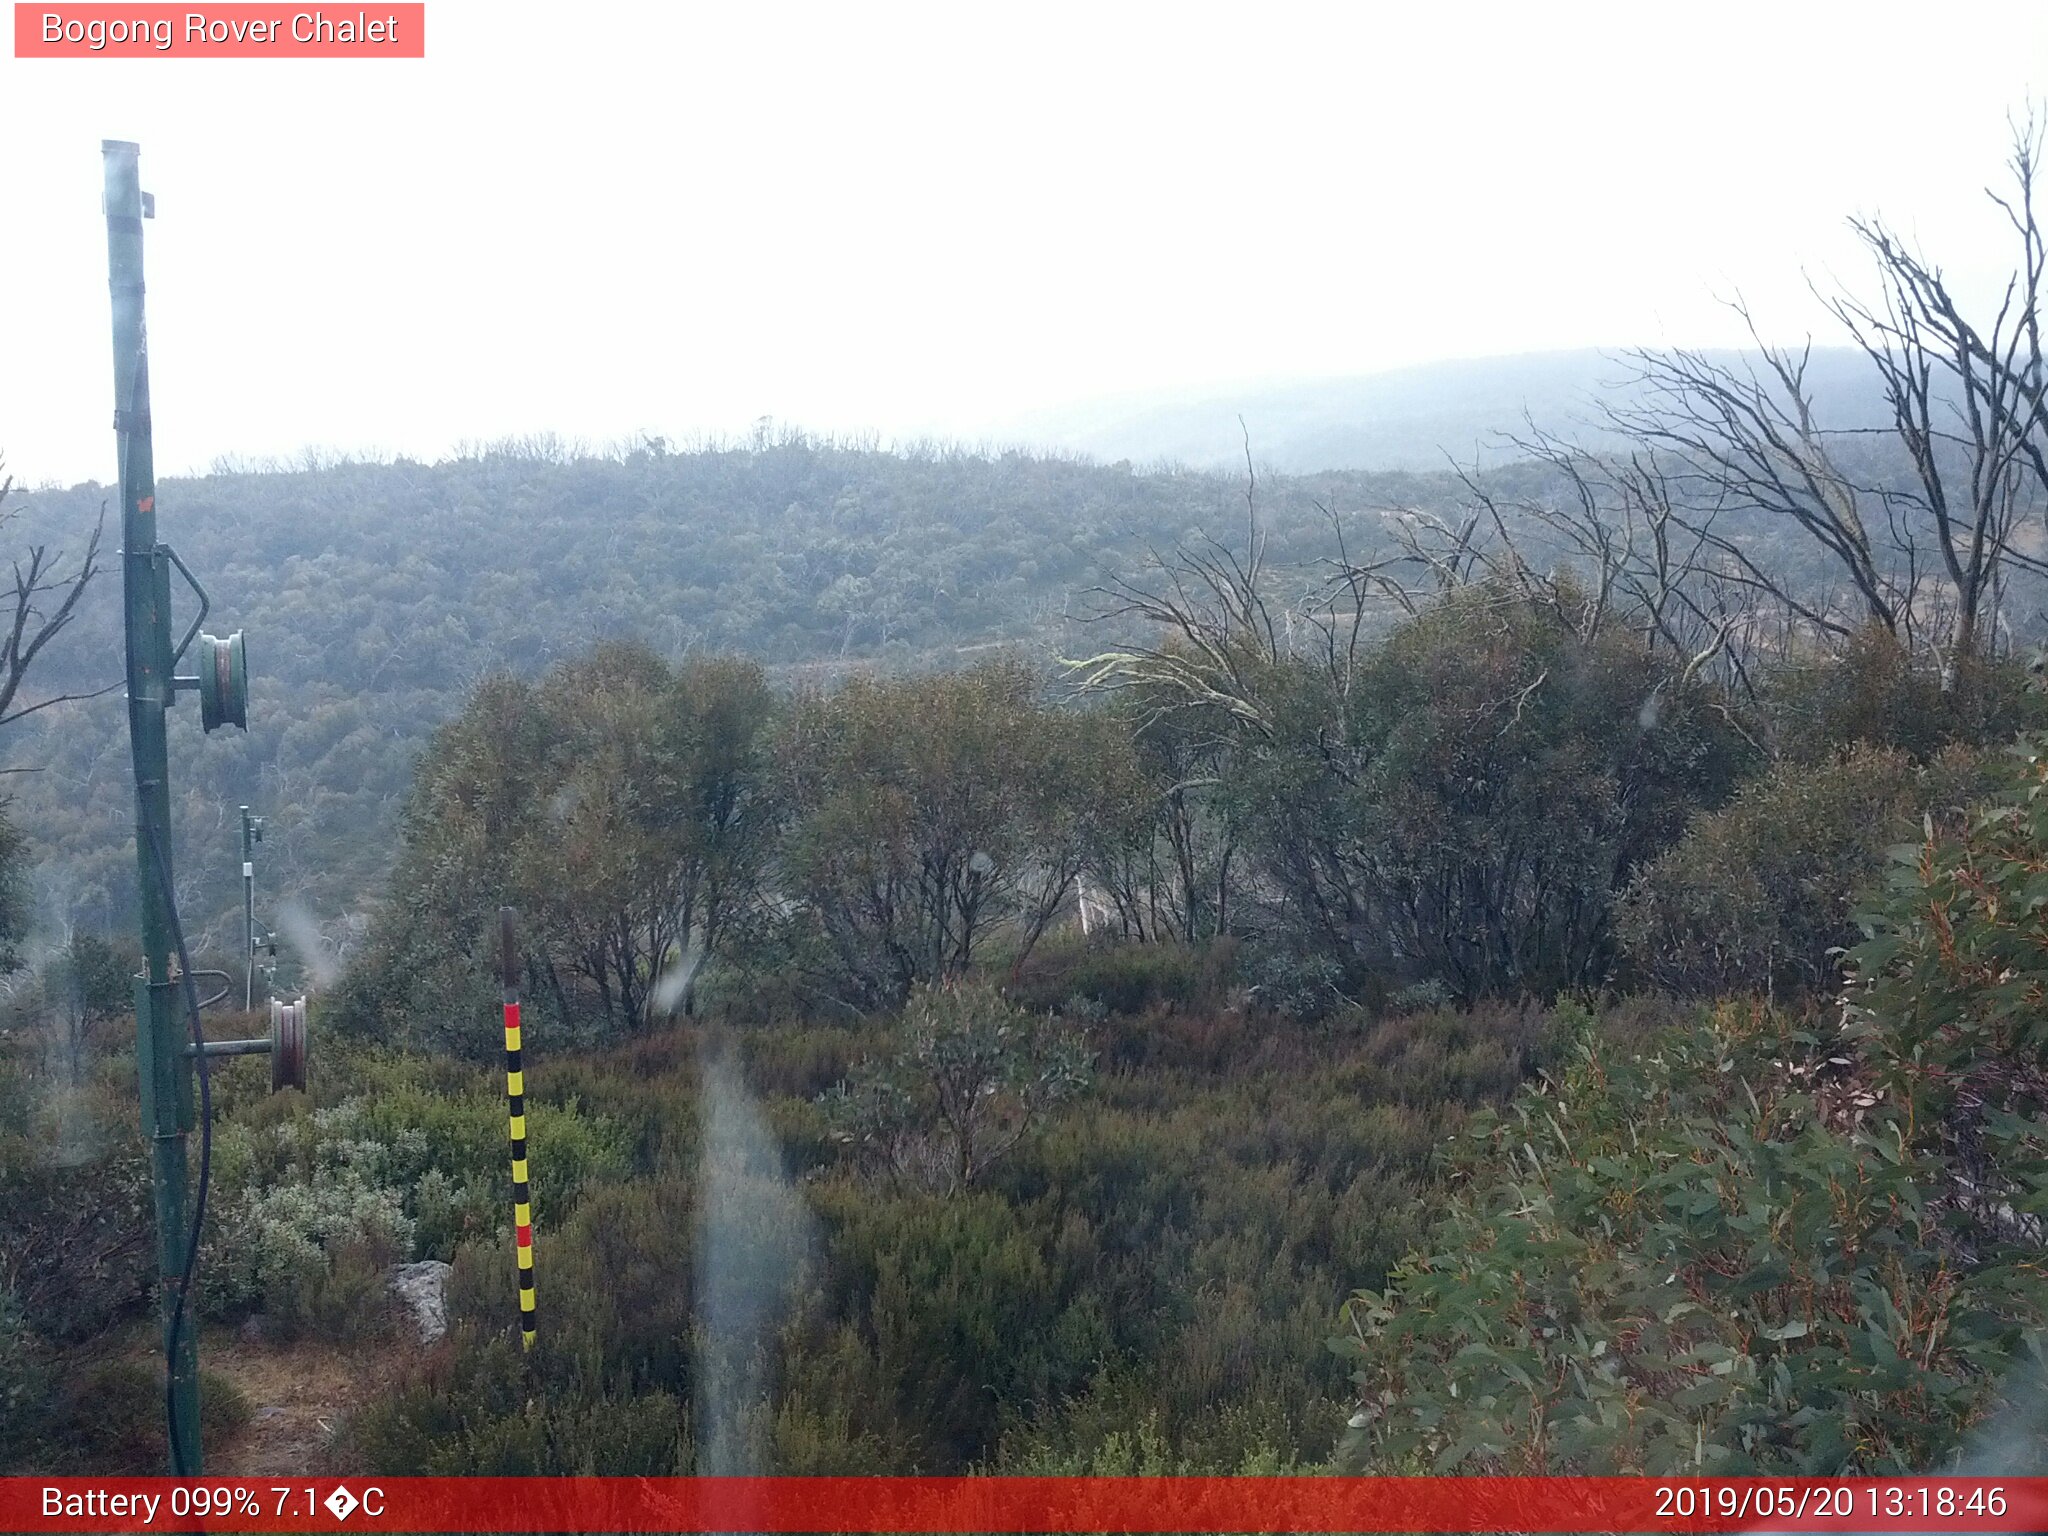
[599, 218]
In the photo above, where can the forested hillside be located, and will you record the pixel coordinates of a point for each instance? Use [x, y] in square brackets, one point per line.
[373, 596]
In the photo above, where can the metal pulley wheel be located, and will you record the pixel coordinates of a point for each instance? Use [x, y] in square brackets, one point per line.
[287, 1044]
[223, 682]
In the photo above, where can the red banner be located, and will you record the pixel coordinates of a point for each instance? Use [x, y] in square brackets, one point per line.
[1020, 1504]
[225, 31]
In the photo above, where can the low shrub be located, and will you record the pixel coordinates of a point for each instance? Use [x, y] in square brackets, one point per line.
[966, 1077]
[25, 1385]
[1759, 897]
[1725, 1252]
[310, 1256]
[1129, 978]
[1876, 694]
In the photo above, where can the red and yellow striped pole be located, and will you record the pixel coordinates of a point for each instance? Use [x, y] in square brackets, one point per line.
[515, 1107]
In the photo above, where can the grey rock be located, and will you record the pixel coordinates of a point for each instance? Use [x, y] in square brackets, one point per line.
[423, 1287]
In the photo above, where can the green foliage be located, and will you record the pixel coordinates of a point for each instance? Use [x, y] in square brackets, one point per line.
[76, 1244]
[1134, 1442]
[310, 1256]
[1139, 1276]
[25, 1384]
[74, 1181]
[1951, 981]
[107, 1415]
[382, 592]
[927, 813]
[965, 1305]
[1167, 1244]
[499, 1430]
[14, 861]
[313, 1205]
[1120, 978]
[1164, 833]
[92, 1415]
[603, 1390]
[1471, 804]
[1717, 1243]
[967, 1078]
[1736, 1249]
[621, 805]
[1309, 984]
[1874, 692]
[78, 1002]
[101, 975]
[803, 1062]
[1760, 896]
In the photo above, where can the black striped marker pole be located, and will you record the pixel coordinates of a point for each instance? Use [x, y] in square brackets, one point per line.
[515, 1106]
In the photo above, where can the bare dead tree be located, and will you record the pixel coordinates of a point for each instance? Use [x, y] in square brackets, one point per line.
[1927, 545]
[1966, 403]
[1651, 564]
[1744, 437]
[44, 600]
[1350, 593]
[1217, 629]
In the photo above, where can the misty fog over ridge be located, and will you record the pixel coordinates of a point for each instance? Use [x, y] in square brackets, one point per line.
[1422, 418]
[1416, 418]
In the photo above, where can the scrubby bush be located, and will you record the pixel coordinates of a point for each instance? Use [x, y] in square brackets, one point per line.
[1726, 1254]
[75, 1247]
[484, 1409]
[967, 1307]
[1759, 898]
[968, 1077]
[1114, 978]
[309, 1255]
[1873, 692]
[1132, 1441]
[1749, 1245]
[25, 1383]
[100, 1415]
[1169, 1244]
[620, 803]
[803, 1061]
[1948, 990]
[14, 889]
[928, 815]
[1471, 802]
[312, 1205]
[74, 1180]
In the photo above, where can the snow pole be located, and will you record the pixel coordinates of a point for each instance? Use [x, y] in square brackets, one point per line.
[515, 1108]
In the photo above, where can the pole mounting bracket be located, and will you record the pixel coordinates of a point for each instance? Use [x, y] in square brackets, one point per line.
[199, 618]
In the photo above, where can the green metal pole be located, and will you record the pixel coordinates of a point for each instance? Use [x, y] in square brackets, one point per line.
[163, 1069]
[250, 833]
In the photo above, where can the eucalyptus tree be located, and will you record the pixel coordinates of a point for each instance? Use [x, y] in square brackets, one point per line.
[927, 815]
[620, 803]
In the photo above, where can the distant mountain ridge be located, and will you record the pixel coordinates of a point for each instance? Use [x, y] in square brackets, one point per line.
[1415, 419]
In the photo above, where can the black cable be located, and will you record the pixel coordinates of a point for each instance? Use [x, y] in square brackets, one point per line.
[163, 878]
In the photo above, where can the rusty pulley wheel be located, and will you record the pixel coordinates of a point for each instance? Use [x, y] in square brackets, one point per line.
[287, 1044]
[223, 682]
